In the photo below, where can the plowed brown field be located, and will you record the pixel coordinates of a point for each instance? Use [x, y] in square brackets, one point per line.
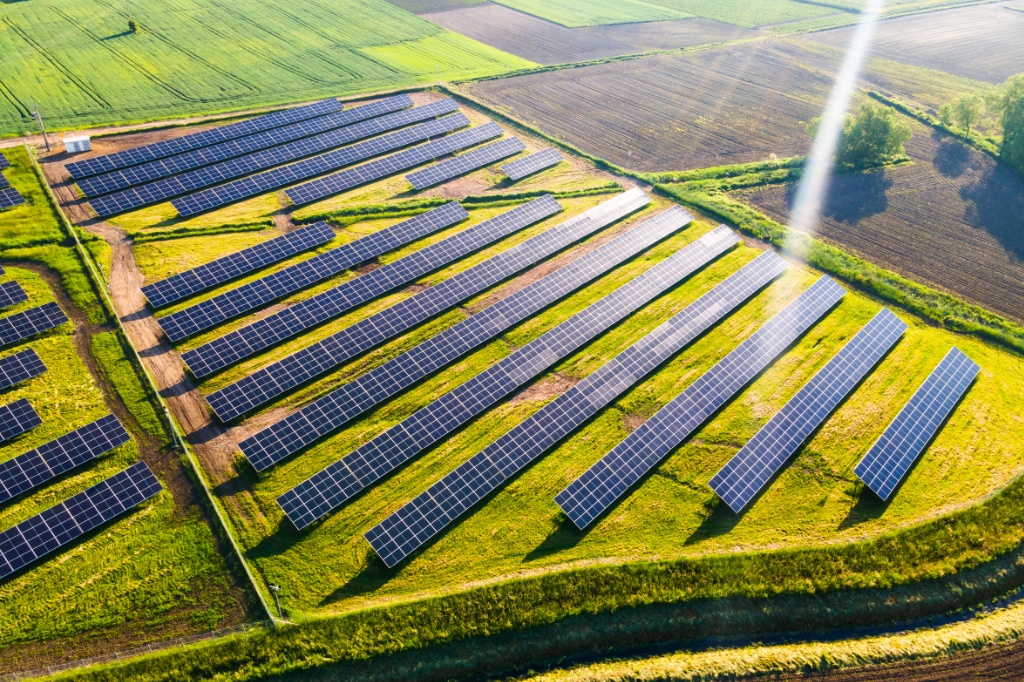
[985, 42]
[954, 219]
[545, 42]
[706, 108]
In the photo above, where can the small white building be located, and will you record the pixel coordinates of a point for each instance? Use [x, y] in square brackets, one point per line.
[74, 144]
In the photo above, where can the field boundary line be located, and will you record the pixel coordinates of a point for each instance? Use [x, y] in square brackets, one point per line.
[101, 284]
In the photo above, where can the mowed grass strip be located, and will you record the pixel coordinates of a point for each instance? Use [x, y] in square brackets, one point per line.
[79, 63]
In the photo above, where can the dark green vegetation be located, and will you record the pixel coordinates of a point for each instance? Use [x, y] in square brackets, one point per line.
[155, 573]
[874, 137]
[76, 60]
[1009, 104]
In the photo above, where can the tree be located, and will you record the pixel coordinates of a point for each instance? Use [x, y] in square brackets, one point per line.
[132, 26]
[965, 111]
[1008, 102]
[873, 137]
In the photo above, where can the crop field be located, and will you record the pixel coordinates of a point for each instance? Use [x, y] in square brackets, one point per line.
[728, 105]
[952, 219]
[981, 42]
[77, 61]
[154, 573]
[427, 6]
[545, 42]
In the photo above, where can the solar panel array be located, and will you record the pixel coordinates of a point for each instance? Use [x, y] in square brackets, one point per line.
[597, 489]
[11, 293]
[250, 296]
[205, 138]
[4, 182]
[264, 385]
[892, 455]
[17, 418]
[192, 181]
[10, 198]
[204, 156]
[35, 467]
[751, 468]
[520, 168]
[4, 163]
[371, 461]
[369, 172]
[20, 367]
[425, 516]
[216, 272]
[428, 177]
[89, 509]
[29, 322]
[270, 330]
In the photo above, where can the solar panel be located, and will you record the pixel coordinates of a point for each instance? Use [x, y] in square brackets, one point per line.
[326, 305]
[29, 322]
[17, 418]
[892, 455]
[205, 156]
[216, 272]
[20, 367]
[751, 468]
[9, 198]
[43, 533]
[250, 296]
[264, 385]
[464, 163]
[185, 143]
[4, 182]
[11, 293]
[383, 454]
[59, 456]
[588, 496]
[360, 175]
[520, 168]
[4, 163]
[291, 434]
[430, 512]
[191, 181]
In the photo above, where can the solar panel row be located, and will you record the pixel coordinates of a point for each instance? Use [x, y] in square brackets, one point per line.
[520, 168]
[451, 168]
[4, 163]
[20, 367]
[751, 468]
[216, 272]
[430, 512]
[301, 275]
[179, 145]
[903, 441]
[597, 489]
[17, 418]
[371, 461]
[22, 325]
[35, 467]
[9, 198]
[4, 182]
[192, 181]
[60, 524]
[204, 156]
[270, 330]
[264, 385]
[369, 172]
[11, 293]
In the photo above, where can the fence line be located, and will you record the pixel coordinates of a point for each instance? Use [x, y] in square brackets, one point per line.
[128, 654]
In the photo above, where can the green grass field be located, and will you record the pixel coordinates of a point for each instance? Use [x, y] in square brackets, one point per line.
[594, 12]
[749, 14]
[78, 62]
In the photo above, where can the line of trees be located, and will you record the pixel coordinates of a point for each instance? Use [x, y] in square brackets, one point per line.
[1007, 104]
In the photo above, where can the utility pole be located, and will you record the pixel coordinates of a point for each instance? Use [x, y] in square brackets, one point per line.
[128, 10]
[275, 589]
[42, 127]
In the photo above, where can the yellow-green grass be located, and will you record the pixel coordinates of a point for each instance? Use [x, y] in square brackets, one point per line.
[816, 500]
[594, 12]
[156, 567]
[112, 358]
[750, 14]
[78, 62]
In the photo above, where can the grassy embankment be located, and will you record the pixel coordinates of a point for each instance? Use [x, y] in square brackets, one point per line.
[154, 573]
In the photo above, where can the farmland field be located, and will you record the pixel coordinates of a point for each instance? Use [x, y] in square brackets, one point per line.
[77, 61]
[594, 12]
[981, 42]
[155, 573]
[545, 42]
[732, 104]
[952, 219]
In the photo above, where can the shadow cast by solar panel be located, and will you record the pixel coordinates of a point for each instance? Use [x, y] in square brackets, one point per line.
[810, 437]
[870, 506]
[720, 520]
[373, 575]
[565, 536]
